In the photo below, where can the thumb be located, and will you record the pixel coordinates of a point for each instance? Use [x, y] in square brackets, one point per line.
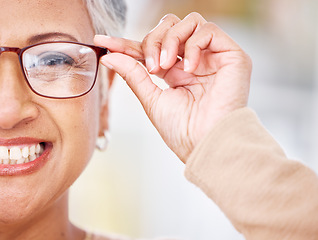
[136, 77]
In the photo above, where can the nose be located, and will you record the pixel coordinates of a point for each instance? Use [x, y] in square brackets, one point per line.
[16, 106]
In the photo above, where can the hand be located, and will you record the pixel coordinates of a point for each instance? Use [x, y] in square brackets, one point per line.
[210, 81]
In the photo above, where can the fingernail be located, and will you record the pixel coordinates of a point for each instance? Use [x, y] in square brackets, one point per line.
[150, 64]
[186, 66]
[163, 57]
[102, 37]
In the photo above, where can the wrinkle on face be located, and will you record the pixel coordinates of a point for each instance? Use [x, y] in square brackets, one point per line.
[53, 12]
[71, 124]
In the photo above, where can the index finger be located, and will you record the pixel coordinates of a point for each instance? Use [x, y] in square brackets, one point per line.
[121, 45]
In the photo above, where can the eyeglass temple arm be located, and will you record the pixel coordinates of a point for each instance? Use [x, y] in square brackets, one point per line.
[10, 49]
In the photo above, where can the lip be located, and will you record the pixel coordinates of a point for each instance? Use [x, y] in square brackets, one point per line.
[25, 168]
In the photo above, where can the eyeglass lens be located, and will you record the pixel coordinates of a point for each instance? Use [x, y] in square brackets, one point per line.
[60, 70]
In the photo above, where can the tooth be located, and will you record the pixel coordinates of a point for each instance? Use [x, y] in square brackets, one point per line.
[41, 149]
[38, 148]
[25, 152]
[6, 161]
[21, 160]
[13, 161]
[4, 152]
[15, 153]
[1, 162]
[32, 158]
[32, 150]
[27, 160]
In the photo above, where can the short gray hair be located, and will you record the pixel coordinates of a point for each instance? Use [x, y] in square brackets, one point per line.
[108, 16]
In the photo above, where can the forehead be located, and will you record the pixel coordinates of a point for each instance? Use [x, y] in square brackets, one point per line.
[20, 19]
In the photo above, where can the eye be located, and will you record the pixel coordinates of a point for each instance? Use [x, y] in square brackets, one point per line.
[54, 59]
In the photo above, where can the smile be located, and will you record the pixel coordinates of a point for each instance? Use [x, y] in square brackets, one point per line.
[19, 155]
[23, 156]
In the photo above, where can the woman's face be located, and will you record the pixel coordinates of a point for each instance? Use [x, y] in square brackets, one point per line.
[68, 127]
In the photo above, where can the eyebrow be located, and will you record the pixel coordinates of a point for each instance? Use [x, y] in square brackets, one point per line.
[51, 35]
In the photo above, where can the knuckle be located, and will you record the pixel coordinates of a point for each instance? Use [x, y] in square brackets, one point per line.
[137, 74]
[173, 35]
[128, 75]
[191, 43]
[156, 45]
[150, 41]
[194, 15]
[210, 29]
[171, 40]
[154, 37]
[126, 44]
[210, 26]
[170, 17]
[146, 39]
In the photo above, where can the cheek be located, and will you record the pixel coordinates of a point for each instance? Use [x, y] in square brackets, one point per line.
[77, 124]
[72, 126]
[81, 129]
[83, 125]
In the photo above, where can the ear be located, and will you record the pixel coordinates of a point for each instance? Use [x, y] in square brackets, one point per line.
[104, 112]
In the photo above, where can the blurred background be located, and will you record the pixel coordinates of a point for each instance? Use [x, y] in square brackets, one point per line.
[137, 187]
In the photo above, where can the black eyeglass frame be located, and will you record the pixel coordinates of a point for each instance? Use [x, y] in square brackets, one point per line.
[99, 51]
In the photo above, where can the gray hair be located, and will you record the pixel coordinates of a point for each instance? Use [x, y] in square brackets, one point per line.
[108, 16]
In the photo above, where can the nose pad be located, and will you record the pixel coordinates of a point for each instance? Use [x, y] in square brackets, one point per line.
[15, 95]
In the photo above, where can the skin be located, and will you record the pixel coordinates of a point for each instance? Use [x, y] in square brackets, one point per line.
[34, 206]
[210, 82]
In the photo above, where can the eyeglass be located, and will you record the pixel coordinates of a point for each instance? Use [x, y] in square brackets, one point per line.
[59, 69]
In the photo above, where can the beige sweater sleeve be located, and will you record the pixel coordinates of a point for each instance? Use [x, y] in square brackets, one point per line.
[245, 172]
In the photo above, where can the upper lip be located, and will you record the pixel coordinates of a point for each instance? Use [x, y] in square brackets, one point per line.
[20, 141]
